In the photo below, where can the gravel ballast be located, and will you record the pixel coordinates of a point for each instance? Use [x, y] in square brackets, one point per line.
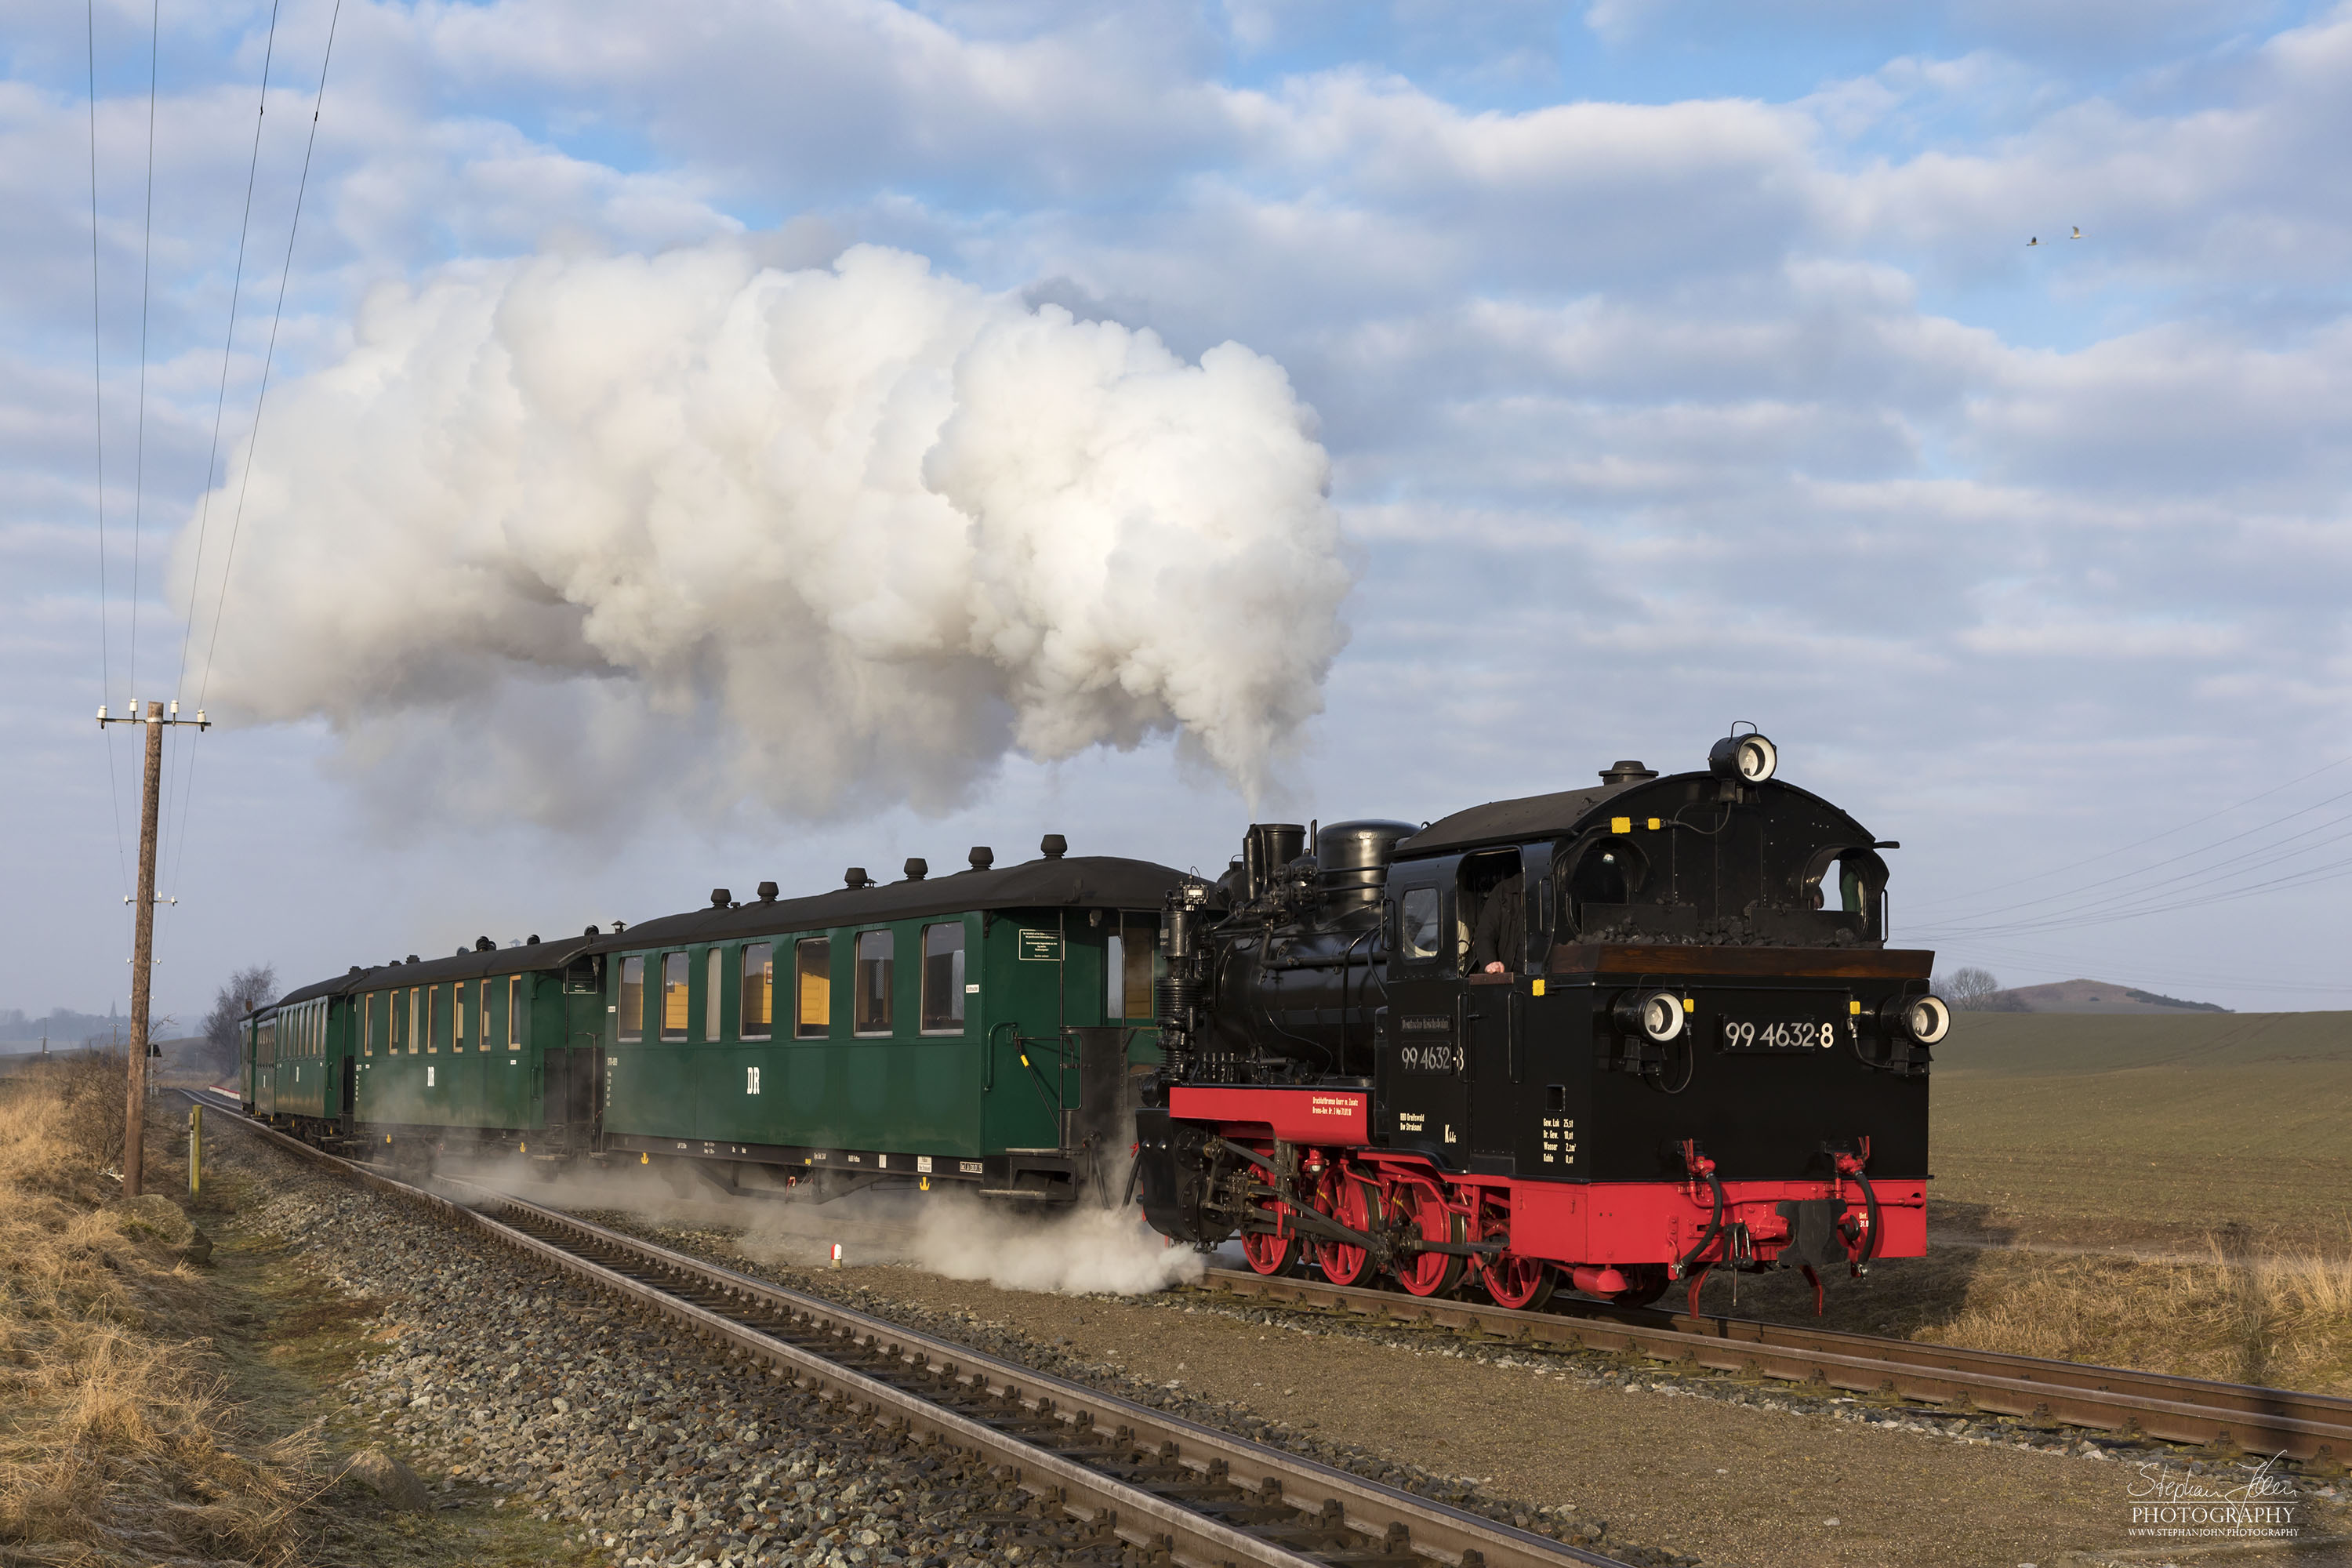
[662, 1450]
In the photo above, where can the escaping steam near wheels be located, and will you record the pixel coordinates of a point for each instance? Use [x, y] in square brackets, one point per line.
[564, 533]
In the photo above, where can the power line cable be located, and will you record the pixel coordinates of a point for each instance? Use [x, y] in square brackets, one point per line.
[146, 271]
[2138, 843]
[212, 455]
[2267, 855]
[98, 427]
[253, 441]
[268, 357]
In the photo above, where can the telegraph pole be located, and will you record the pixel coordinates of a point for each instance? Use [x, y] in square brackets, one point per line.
[143, 953]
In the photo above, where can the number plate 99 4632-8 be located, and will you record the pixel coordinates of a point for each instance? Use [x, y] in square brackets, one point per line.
[1778, 1035]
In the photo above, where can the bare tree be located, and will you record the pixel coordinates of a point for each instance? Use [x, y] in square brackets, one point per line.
[1973, 990]
[246, 989]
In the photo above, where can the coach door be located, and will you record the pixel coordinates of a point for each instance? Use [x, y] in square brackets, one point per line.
[575, 1077]
[1423, 1088]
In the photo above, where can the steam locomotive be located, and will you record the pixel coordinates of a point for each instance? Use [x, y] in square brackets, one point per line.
[1611, 1038]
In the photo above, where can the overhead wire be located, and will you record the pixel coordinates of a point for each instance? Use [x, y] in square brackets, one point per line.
[2138, 843]
[2135, 898]
[212, 455]
[98, 427]
[253, 441]
[146, 273]
[268, 358]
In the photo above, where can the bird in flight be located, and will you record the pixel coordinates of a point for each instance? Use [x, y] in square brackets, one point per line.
[2034, 241]
[2077, 234]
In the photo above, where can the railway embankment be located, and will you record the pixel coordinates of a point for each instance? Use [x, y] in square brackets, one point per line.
[598, 1435]
[1719, 1469]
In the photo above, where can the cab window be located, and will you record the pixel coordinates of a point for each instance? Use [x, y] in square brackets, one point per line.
[1420, 936]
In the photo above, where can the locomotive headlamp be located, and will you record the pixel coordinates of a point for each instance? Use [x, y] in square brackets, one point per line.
[1749, 758]
[1922, 1019]
[1655, 1016]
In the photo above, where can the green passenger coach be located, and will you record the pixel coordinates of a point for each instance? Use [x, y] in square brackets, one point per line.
[982, 1027]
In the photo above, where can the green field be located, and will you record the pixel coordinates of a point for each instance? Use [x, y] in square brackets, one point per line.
[2137, 1132]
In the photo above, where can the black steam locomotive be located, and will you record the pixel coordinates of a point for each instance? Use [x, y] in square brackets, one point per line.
[1612, 1037]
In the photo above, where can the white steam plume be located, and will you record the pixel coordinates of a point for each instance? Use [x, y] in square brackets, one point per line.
[564, 531]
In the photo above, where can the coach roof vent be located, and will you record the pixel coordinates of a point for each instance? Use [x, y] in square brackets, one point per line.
[766, 892]
[354, 968]
[981, 857]
[855, 877]
[532, 941]
[412, 958]
[719, 897]
[590, 932]
[1626, 772]
[484, 944]
[917, 868]
[1055, 846]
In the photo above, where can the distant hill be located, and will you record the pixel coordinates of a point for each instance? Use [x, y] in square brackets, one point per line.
[2101, 997]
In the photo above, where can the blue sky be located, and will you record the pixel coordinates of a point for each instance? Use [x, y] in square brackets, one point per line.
[1676, 363]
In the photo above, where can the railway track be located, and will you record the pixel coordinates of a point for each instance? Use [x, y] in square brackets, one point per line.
[1109, 1478]
[2314, 1429]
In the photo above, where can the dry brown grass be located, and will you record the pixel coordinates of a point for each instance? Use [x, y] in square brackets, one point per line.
[117, 1442]
[2237, 1314]
[2279, 1319]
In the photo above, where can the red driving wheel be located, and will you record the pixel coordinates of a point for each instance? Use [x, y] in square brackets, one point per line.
[1355, 1203]
[1512, 1280]
[1424, 1214]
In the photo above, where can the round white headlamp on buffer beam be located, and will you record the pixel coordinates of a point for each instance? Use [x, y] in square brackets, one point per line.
[1922, 1019]
[1655, 1016]
[1749, 758]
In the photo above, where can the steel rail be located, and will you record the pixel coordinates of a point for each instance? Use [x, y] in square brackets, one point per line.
[1095, 1462]
[2314, 1428]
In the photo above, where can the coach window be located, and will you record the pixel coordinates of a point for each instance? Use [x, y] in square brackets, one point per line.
[457, 1016]
[415, 1018]
[367, 1025]
[632, 1025]
[713, 1021]
[875, 952]
[812, 979]
[943, 978]
[758, 1005]
[515, 1012]
[435, 1003]
[1420, 936]
[1134, 951]
[674, 995]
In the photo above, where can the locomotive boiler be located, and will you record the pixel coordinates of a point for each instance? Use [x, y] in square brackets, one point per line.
[1611, 1037]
